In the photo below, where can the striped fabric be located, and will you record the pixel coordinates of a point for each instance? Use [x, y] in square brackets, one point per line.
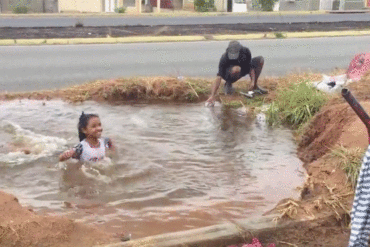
[360, 215]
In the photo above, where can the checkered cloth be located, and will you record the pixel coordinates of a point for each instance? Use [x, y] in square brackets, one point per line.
[360, 215]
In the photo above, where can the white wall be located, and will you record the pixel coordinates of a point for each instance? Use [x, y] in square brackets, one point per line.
[326, 4]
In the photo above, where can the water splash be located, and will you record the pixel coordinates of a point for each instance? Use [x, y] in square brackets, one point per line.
[100, 171]
[95, 174]
[26, 146]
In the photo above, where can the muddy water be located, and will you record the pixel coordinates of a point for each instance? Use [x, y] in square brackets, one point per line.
[177, 167]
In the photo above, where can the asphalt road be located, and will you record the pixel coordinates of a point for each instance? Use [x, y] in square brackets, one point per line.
[193, 20]
[25, 68]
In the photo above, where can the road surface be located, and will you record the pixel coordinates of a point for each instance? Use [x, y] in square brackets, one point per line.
[25, 68]
[193, 20]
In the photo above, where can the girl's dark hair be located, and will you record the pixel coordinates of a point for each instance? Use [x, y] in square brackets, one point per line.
[82, 123]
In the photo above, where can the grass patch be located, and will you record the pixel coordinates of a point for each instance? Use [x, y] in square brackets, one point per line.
[279, 35]
[255, 102]
[350, 161]
[295, 104]
[120, 10]
[237, 102]
[233, 104]
[20, 10]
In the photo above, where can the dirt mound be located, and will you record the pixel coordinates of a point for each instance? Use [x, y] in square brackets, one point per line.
[324, 131]
[22, 227]
[156, 90]
[130, 90]
[327, 191]
[324, 232]
[336, 123]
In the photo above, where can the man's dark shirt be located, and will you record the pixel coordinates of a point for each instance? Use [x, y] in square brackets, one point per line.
[244, 61]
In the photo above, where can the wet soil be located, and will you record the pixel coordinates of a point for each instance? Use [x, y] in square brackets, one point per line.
[327, 195]
[20, 226]
[79, 31]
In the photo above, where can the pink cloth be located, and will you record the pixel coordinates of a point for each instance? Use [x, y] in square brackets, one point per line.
[255, 243]
[359, 65]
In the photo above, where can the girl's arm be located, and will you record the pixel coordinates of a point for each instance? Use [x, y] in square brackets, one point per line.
[110, 144]
[75, 152]
[67, 155]
[111, 148]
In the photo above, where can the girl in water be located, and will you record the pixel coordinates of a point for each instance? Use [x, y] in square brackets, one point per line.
[92, 146]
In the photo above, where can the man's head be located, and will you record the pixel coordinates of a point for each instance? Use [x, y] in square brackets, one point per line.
[233, 50]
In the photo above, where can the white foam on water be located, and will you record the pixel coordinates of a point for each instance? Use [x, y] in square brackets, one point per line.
[98, 171]
[95, 169]
[38, 145]
[93, 173]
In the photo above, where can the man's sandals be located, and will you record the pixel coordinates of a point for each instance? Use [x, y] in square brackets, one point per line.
[251, 94]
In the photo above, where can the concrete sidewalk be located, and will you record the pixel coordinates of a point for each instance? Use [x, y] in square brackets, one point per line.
[164, 13]
[132, 12]
[148, 39]
[218, 235]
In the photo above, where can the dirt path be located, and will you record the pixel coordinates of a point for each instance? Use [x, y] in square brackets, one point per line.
[175, 30]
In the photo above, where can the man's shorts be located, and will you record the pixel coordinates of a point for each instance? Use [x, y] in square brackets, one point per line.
[230, 79]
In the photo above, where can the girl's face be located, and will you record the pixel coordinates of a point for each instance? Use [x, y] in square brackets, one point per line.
[93, 128]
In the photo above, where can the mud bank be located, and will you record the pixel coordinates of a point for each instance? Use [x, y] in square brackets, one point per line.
[327, 192]
[155, 90]
[20, 226]
[319, 218]
[127, 91]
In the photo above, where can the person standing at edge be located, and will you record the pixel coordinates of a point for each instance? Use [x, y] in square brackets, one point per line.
[234, 64]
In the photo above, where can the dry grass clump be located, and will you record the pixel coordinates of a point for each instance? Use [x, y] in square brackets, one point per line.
[162, 89]
[127, 90]
[335, 202]
[288, 209]
[349, 159]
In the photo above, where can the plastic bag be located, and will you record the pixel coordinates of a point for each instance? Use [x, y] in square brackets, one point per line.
[331, 84]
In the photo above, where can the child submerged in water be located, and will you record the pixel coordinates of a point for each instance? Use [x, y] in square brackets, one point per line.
[92, 146]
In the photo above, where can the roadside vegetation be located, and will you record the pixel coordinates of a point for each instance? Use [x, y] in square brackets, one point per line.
[146, 89]
[280, 35]
[120, 10]
[295, 104]
[20, 9]
[267, 5]
[204, 5]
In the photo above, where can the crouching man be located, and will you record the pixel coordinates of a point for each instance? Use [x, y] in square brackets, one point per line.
[234, 64]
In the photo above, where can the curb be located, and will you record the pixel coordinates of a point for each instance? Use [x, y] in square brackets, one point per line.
[149, 39]
[348, 11]
[218, 235]
[162, 14]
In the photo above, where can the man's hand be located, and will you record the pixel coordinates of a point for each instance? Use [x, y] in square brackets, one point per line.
[216, 85]
[211, 101]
